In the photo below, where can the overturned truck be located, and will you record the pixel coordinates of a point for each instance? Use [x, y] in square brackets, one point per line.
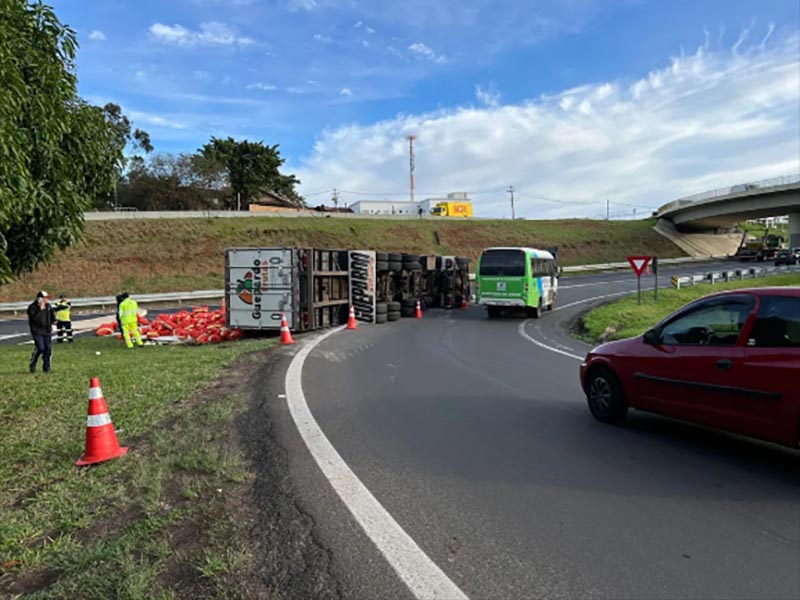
[314, 288]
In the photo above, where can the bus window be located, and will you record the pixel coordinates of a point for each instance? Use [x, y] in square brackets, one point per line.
[542, 267]
[502, 263]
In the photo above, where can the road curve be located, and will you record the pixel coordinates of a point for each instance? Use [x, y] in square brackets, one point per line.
[474, 436]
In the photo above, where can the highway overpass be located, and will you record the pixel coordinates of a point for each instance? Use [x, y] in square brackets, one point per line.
[726, 206]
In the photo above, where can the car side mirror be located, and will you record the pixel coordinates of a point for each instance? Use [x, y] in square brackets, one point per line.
[652, 337]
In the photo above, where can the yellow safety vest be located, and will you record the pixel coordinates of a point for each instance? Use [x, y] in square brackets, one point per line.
[128, 311]
[61, 309]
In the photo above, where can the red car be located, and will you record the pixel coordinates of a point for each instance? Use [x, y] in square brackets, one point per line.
[730, 360]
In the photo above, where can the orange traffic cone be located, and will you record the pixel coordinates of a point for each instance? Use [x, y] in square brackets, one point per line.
[286, 335]
[101, 439]
[418, 311]
[351, 320]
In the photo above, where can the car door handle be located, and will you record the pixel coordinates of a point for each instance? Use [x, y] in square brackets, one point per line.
[724, 364]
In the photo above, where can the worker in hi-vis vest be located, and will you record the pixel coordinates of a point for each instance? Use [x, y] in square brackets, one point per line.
[128, 318]
[63, 322]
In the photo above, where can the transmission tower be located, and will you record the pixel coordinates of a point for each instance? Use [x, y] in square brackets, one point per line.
[411, 139]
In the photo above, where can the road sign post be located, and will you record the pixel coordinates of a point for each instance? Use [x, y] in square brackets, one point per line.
[639, 264]
[655, 277]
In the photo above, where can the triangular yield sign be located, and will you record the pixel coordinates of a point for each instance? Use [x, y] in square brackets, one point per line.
[639, 263]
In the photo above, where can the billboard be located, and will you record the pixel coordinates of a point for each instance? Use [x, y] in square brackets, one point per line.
[362, 284]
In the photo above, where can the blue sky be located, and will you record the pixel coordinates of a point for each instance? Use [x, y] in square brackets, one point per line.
[571, 101]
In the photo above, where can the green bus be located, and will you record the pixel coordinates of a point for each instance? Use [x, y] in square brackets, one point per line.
[517, 278]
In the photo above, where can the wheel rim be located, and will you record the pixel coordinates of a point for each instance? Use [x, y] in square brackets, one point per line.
[600, 394]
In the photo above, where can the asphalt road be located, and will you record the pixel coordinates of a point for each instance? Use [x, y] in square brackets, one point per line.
[479, 444]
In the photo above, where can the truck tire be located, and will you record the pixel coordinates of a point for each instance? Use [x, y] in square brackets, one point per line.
[379, 319]
[412, 266]
[395, 265]
[493, 312]
[463, 263]
[382, 256]
[394, 257]
[381, 308]
[411, 258]
[393, 316]
[394, 306]
[382, 266]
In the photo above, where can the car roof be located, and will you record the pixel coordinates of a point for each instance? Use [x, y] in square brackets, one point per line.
[762, 291]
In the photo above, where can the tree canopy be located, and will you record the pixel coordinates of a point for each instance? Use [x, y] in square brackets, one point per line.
[251, 168]
[57, 153]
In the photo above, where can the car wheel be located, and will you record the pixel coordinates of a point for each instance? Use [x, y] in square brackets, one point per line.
[605, 396]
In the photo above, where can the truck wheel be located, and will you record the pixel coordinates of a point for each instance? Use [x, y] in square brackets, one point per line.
[394, 257]
[382, 256]
[381, 308]
[412, 266]
[393, 316]
[395, 265]
[382, 266]
[410, 258]
[381, 318]
[463, 263]
[493, 312]
[394, 306]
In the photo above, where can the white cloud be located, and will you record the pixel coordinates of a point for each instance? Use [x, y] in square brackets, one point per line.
[211, 33]
[369, 30]
[322, 38]
[97, 35]
[298, 5]
[421, 50]
[150, 119]
[358, 24]
[346, 92]
[702, 121]
[203, 76]
[264, 87]
[365, 43]
[488, 96]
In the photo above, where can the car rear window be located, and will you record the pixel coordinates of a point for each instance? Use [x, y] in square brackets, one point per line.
[503, 263]
[777, 323]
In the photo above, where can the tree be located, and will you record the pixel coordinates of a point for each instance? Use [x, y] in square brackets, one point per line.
[56, 151]
[251, 168]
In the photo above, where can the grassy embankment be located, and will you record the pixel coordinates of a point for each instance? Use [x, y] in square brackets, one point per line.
[625, 318]
[176, 255]
[153, 524]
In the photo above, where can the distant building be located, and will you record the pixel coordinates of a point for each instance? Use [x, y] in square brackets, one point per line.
[271, 201]
[384, 207]
[429, 203]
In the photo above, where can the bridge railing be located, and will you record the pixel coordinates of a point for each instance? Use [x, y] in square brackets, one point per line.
[731, 189]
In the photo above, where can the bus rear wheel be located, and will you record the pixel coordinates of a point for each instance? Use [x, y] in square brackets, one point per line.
[493, 311]
[534, 311]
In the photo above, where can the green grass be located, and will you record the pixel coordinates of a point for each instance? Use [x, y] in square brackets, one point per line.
[174, 255]
[625, 318]
[107, 531]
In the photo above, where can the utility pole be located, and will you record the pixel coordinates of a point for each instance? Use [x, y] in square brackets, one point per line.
[510, 190]
[608, 209]
[411, 139]
[335, 199]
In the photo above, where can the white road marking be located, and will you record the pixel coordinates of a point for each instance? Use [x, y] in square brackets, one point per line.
[533, 340]
[594, 283]
[12, 336]
[415, 568]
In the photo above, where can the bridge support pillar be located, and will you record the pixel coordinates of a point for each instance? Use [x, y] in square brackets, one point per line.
[794, 230]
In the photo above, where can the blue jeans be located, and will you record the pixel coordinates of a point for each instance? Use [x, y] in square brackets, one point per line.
[44, 347]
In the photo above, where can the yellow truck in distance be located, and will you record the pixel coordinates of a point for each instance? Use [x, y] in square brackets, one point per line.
[452, 209]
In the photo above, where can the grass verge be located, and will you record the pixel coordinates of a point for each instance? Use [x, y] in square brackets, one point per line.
[150, 255]
[153, 524]
[625, 318]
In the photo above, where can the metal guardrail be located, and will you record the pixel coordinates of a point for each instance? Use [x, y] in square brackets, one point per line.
[179, 297]
[103, 301]
[733, 275]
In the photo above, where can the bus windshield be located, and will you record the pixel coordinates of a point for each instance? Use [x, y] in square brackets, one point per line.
[503, 263]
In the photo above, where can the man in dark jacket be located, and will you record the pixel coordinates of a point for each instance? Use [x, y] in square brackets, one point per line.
[40, 319]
